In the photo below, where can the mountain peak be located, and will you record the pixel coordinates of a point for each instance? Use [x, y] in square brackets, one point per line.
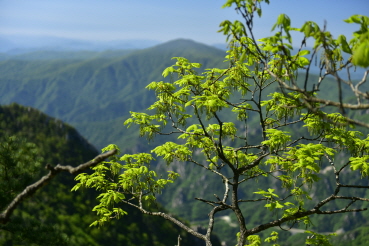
[183, 47]
[182, 41]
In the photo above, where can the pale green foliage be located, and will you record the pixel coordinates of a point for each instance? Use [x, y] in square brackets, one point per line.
[282, 105]
[273, 238]
[276, 139]
[318, 239]
[170, 151]
[195, 105]
[116, 185]
[272, 203]
[253, 240]
[360, 163]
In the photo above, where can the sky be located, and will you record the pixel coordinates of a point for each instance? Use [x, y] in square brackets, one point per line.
[161, 20]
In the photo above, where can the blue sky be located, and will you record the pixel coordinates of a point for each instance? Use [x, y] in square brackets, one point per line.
[160, 20]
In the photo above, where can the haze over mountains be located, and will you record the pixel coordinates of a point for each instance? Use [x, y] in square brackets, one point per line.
[20, 44]
[15, 44]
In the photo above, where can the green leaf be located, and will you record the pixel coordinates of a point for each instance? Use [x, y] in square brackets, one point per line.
[345, 47]
[259, 12]
[361, 54]
[277, 139]
[354, 19]
[76, 187]
[279, 205]
[360, 163]
[319, 239]
[304, 52]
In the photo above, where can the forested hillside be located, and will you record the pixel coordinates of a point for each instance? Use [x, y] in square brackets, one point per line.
[95, 92]
[54, 215]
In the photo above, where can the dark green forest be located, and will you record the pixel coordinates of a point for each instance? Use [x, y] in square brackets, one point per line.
[54, 215]
[94, 92]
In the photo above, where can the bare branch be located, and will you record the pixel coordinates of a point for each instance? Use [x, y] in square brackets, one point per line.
[344, 210]
[211, 221]
[353, 198]
[170, 218]
[355, 186]
[338, 104]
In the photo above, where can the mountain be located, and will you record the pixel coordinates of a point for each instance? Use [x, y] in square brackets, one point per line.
[65, 55]
[54, 214]
[95, 92]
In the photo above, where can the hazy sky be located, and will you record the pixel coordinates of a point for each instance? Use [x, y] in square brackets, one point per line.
[160, 20]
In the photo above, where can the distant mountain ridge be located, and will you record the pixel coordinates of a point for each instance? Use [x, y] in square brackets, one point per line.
[68, 55]
[95, 88]
[21, 44]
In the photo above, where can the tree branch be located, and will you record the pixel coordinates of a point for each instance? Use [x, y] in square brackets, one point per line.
[170, 218]
[53, 171]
